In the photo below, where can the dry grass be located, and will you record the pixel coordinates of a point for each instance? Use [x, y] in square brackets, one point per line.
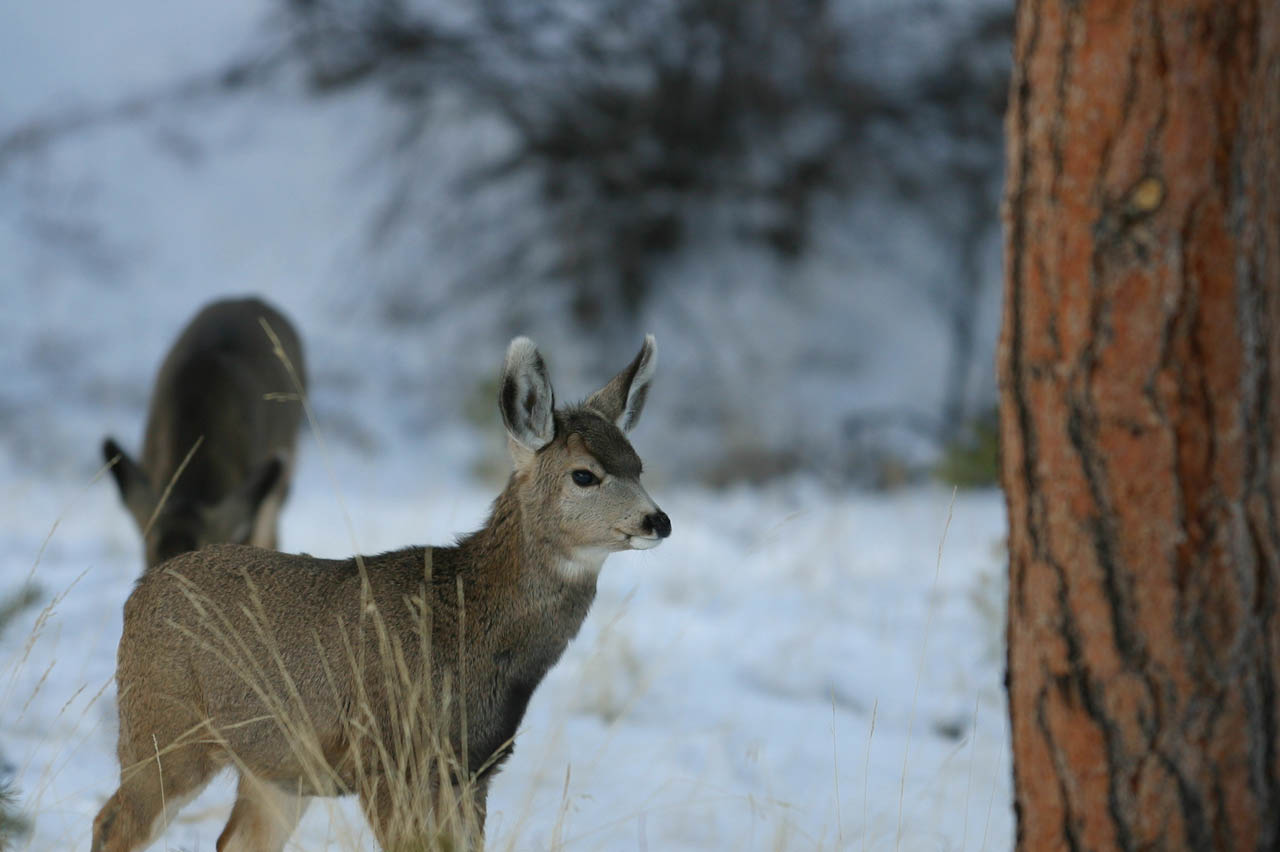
[405, 760]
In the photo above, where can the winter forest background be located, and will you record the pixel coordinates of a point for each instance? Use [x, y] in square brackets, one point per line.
[797, 197]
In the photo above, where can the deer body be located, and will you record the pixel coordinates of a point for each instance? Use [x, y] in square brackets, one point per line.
[212, 391]
[400, 677]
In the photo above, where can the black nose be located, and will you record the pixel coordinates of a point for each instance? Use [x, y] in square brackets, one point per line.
[658, 523]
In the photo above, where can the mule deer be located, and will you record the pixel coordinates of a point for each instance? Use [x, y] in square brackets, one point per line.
[211, 395]
[400, 677]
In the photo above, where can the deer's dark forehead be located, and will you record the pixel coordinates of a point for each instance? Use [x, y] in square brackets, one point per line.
[604, 440]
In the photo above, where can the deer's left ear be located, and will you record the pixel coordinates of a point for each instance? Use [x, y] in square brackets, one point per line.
[526, 399]
[623, 398]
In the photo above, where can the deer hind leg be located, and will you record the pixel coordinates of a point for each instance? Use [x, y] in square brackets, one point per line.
[150, 794]
[263, 817]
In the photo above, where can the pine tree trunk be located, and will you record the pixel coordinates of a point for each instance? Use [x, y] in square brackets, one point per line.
[1140, 424]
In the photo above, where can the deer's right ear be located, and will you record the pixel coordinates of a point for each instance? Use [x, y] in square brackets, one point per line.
[131, 480]
[526, 399]
[623, 398]
[237, 513]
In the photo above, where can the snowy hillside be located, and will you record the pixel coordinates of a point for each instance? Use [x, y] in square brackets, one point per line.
[794, 669]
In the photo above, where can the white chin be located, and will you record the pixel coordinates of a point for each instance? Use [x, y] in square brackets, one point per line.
[638, 543]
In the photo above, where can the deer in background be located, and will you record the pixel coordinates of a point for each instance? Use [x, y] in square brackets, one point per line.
[401, 677]
[210, 400]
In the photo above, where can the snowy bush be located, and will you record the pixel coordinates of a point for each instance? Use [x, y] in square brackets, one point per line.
[614, 141]
[798, 197]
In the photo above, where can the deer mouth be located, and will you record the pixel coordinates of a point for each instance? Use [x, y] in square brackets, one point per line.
[635, 541]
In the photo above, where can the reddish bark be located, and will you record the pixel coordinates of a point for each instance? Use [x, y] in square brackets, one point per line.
[1140, 423]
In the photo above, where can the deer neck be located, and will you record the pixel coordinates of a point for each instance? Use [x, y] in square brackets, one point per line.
[520, 563]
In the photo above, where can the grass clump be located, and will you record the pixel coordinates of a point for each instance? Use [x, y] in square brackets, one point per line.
[973, 459]
[13, 824]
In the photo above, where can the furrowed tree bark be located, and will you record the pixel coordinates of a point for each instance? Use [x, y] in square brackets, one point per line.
[1140, 424]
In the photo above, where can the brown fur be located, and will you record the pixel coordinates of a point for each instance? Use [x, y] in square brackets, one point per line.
[400, 677]
[212, 389]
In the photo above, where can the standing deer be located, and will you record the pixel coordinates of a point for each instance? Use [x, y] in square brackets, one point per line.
[401, 677]
[211, 395]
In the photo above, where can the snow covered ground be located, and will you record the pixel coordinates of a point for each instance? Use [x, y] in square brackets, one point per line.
[720, 696]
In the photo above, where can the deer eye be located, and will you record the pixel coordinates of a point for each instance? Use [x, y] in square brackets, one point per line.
[585, 478]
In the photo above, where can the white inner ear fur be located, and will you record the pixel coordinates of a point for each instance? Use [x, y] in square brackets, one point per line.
[639, 384]
[531, 426]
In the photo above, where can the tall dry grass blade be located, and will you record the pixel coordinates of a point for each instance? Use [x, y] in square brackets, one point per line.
[358, 651]
[557, 830]
[930, 609]
[37, 629]
[973, 754]
[367, 611]
[300, 392]
[12, 604]
[462, 664]
[168, 489]
[39, 684]
[835, 772]
[29, 592]
[164, 804]
[866, 771]
[991, 800]
[58, 520]
[51, 771]
[233, 648]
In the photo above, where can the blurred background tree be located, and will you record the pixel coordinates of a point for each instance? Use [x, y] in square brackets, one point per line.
[798, 196]
[634, 133]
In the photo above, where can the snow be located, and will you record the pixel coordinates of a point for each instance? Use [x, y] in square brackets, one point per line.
[794, 669]
[80, 51]
[720, 692]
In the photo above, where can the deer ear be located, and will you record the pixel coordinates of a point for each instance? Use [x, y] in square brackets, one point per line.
[261, 482]
[526, 399]
[623, 398]
[237, 513]
[131, 480]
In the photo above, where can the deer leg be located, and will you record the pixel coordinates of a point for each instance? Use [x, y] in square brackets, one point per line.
[399, 816]
[473, 808]
[263, 817]
[461, 809]
[430, 815]
[150, 794]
